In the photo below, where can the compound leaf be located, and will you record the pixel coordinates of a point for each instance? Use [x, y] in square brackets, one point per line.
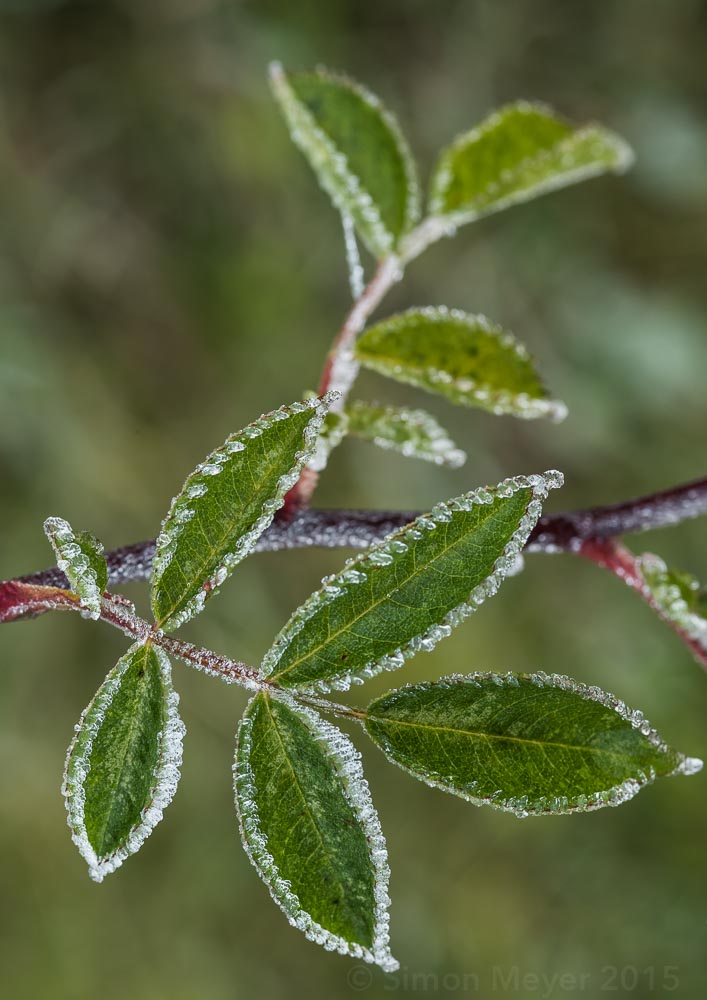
[518, 153]
[525, 743]
[122, 767]
[414, 433]
[463, 357]
[225, 505]
[80, 557]
[310, 829]
[407, 592]
[356, 150]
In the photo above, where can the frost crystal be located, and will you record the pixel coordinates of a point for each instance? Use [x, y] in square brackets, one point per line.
[166, 776]
[347, 762]
[384, 553]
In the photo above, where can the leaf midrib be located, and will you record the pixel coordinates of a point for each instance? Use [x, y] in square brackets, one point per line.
[128, 741]
[303, 797]
[211, 550]
[495, 736]
[331, 636]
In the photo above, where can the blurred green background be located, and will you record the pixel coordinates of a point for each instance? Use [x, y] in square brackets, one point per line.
[169, 270]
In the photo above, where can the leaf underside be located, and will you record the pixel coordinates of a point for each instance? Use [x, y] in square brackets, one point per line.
[406, 593]
[123, 765]
[460, 356]
[525, 743]
[518, 153]
[309, 827]
[356, 150]
[225, 505]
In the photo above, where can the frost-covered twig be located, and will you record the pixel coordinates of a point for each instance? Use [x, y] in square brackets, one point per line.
[563, 532]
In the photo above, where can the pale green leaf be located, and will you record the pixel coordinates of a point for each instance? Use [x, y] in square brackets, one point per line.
[518, 153]
[414, 433]
[463, 357]
[357, 151]
[122, 767]
[310, 829]
[225, 505]
[678, 597]
[525, 743]
[80, 557]
[407, 592]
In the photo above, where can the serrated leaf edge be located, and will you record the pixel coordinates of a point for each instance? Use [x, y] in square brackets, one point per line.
[166, 774]
[196, 485]
[521, 807]
[498, 401]
[624, 158]
[384, 552]
[75, 564]
[322, 151]
[347, 763]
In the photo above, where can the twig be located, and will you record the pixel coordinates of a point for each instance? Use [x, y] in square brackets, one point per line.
[564, 532]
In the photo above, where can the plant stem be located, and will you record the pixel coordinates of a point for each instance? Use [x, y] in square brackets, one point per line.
[341, 368]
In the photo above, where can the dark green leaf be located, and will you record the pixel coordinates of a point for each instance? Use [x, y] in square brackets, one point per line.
[80, 557]
[463, 357]
[123, 765]
[526, 743]
[357, 151]
[414, 433]
[310, 829]
[518, 153]
[224, 507]
[406, 593]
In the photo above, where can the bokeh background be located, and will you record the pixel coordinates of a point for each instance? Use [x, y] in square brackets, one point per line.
[169, 270]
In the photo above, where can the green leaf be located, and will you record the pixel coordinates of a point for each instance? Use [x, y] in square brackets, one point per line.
[122, 767]
[678, 596]
[407, 592]
[80, 557]
[310, 828]
[357, 151]
[518, 153]
[525, 743]
[414, 433]
[465, 358]
[225, 505]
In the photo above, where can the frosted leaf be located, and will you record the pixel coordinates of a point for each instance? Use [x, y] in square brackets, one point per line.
[530, 744]
[80, 557]
[519, 152]
[463, 357]
[226, 504]
[677, 597]
[413, 433]
[310, 828]
[409, 590]
[353, 258]
[122, 768]
[356, 150]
